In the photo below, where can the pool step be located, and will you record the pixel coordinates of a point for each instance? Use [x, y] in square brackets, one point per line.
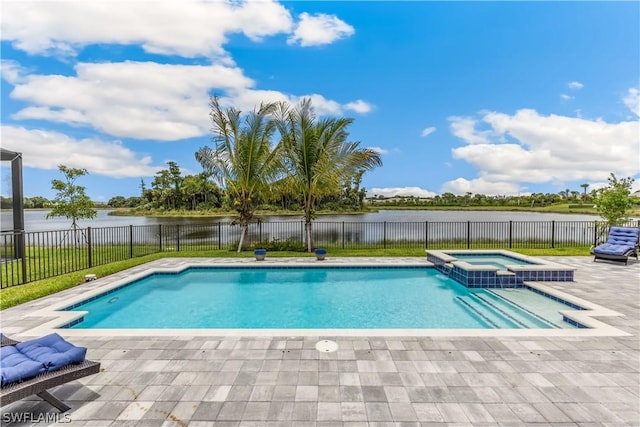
[526, 314]
[492, 318]
[499, 312]
[512, 311]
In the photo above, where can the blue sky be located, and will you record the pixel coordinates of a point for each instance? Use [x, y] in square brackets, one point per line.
[481, 97]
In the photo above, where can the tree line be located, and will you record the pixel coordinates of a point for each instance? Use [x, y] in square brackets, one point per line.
[532, 200]
[276, 155]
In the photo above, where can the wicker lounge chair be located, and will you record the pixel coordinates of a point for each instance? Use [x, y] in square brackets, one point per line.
[43, 382]
[622, 243]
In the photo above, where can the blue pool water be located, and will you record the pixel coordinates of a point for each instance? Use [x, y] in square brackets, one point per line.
[334, 298]
[494, 260]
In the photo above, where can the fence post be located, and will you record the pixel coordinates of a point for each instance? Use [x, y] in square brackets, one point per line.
[178, 237]
[18, 244]
[510, 234]
[260, 231]
[426, 234]
[89, 260]
[219, 235]
[595, 234]
[553, 234]
[384, 235]
[130, 241]
[24, 257]
[160, 237]
[468, 234]
[342, 234]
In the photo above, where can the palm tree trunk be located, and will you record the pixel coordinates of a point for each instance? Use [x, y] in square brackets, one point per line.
[243, 235]
[309, 235]
[307, 221]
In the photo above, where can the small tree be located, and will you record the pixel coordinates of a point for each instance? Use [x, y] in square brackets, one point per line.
[614, 201]
[71, 201]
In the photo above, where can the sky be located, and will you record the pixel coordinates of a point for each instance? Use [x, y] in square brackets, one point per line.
[499, 98]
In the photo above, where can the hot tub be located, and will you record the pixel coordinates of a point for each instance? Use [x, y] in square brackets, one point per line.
[496, 268]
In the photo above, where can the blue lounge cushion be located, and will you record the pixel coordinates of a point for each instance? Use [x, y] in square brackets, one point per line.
[611, 249]
[15, 366]
[53, 351]
[623, 236]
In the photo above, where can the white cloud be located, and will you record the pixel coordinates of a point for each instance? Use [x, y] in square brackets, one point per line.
[12, 71]
[632, 101]
[566, 97]
[147, 100]
[63, 27]
[533, 148]
[575, 85]
[480, 186]
[359, 106]
[322, 105]
[320, 29]
[143, 100]
[247, 99]
[428, 131]
[465, 128]
[400, 191]
[47, 149]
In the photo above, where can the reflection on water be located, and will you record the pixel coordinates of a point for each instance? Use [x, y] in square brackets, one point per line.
[35, 220]
[405, 228]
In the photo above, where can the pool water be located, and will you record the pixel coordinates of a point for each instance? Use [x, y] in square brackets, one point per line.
[494, 260]
[316, 298]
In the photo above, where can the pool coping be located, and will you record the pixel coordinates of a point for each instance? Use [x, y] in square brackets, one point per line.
[59, 317]
[535, 264]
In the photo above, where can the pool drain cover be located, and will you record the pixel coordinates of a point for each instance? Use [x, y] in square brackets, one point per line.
[326, 346]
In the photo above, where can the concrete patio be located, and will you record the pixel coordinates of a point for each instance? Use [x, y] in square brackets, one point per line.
[369, 381]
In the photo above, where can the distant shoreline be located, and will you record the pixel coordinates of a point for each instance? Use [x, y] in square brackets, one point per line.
[557, 209]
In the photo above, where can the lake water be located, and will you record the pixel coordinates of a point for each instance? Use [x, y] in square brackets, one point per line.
[35, 220]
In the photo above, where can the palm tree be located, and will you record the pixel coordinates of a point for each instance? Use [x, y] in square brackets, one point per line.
[243, 161]
[318, 156]
[584, 187]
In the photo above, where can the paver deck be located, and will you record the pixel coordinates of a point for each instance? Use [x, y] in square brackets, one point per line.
[369, 381]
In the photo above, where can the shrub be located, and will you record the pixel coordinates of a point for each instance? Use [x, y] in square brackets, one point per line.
[293, 245]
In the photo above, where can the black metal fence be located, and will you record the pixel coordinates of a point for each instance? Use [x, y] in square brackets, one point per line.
[52, 253]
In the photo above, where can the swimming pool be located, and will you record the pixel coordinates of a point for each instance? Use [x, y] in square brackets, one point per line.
[313, 298]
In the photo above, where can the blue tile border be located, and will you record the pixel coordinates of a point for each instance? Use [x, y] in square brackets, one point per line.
[560, 300]
[491, 278]
[110, 291]
[72, 323]
[574, 323]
